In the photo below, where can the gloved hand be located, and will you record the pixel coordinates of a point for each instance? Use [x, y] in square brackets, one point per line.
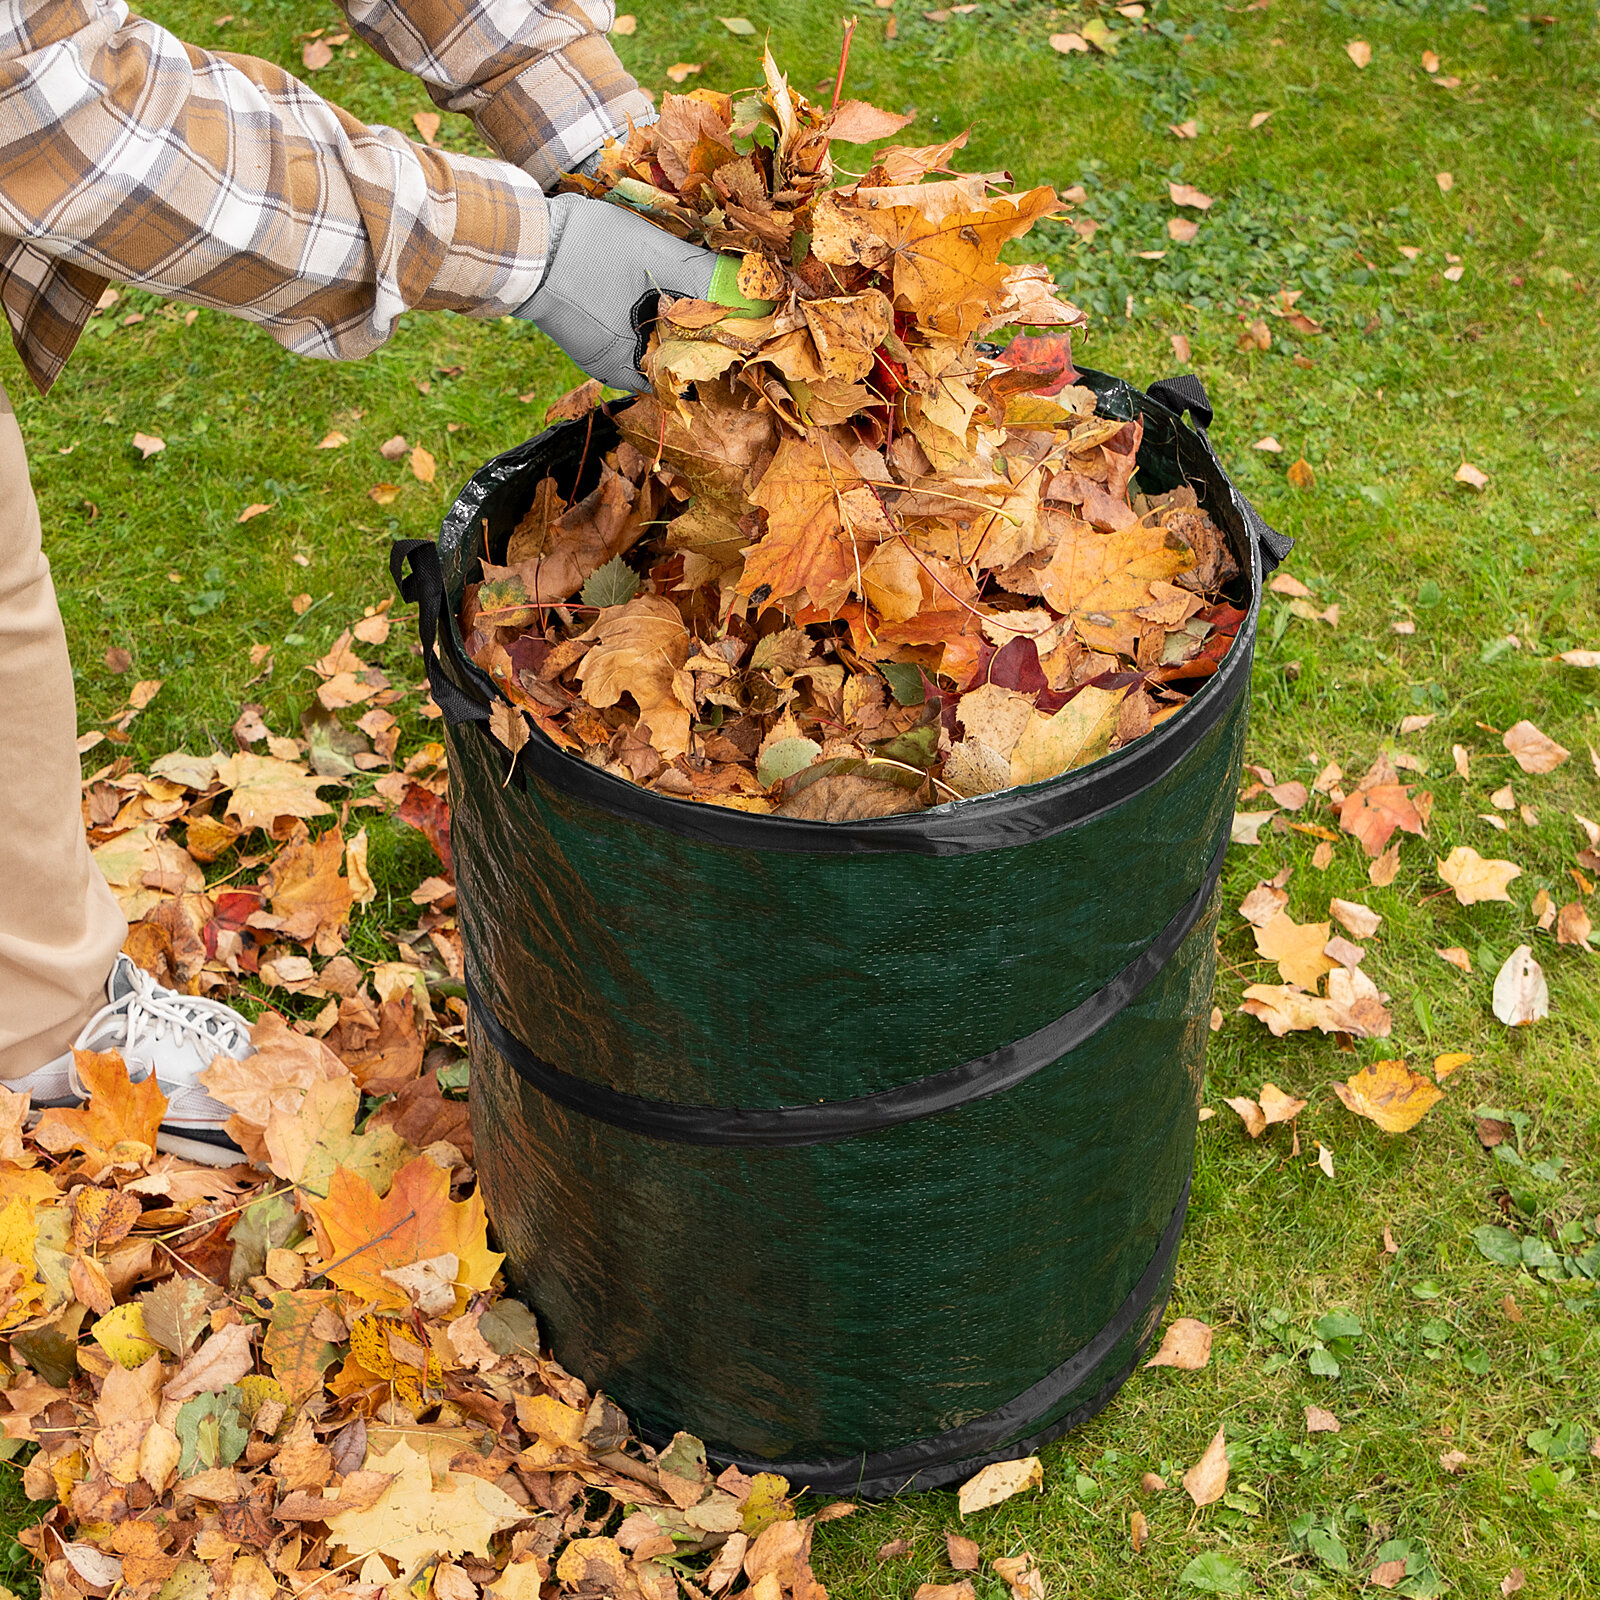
[603, 271]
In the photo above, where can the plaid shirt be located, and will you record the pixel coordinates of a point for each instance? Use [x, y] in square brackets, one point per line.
[222, 180]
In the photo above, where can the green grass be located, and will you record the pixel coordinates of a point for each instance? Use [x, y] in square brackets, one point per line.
[1412, 375]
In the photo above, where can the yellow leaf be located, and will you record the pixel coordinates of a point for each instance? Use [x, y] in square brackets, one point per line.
[413, 1519]
[1080, 732]
[1451, 1061]
[999, 1481]
[639, 649]
[1390, 1094]
[423, 467]
[120, 1333]
[19, 1229]
[1296, 947]
[306, 1144]
[1475, 879]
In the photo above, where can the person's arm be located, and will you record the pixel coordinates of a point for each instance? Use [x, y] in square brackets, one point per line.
[126, 154]
[538, 77]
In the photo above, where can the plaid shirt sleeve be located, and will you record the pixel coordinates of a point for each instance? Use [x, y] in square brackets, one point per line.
[538, 77]
[224, 181]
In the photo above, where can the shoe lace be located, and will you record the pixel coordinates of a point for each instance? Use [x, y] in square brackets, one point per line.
[150, 1013]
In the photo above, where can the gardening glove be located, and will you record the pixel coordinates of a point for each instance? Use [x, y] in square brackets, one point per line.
[604, 268]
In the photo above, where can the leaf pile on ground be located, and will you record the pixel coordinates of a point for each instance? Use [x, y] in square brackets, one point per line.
[301, 1376]
[281, 898]
[846, 559]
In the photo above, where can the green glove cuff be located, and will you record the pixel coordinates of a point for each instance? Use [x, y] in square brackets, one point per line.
[724, 290]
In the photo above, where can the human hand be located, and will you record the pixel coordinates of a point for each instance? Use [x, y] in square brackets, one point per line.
[605, 267]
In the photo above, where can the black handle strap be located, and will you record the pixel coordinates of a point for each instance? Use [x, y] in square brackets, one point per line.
[424, 588]
[1187, 393]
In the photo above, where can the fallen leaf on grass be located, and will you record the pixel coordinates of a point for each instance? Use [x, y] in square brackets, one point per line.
[315, 54]
[423, 467]
[1451, 1061]
[625, 25]
[1184, 194]
[1298, 948]
[1258, 117]
[1186, 1345]
[1207, 1480]
[1273, 1107]
[738, 25]
[1138, 1531]
[999, 1481]
[940, 1591]
[1387, 1574]
[1573, 926]
[1446, 182]
[1359, 51]
[1069, 43]
[964, 1554]
[1354, 917]
[1475, 879]
[1390, 1094]
[1247, 826]
[1320, 1421]
[1473, 477]
[1021, 1575]
[1263, 903]
[1533, 751]
[1513, 1582]
[1325, 1159]
[680, 70]
[1269, 444]
[1456, 956]
[1452, 1461]
[147, 444]
[427, 124]
[250, 512]
[1182, 230]
[1521, 995]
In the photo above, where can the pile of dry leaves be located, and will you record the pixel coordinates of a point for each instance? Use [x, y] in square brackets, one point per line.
[299, 1376]
[847, 559]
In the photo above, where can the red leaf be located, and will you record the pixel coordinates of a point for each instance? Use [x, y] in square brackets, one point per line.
[429, 814]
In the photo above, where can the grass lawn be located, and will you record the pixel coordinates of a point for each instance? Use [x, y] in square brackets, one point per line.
[1340, 196]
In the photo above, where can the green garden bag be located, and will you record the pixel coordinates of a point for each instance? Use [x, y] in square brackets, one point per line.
[860, 1151]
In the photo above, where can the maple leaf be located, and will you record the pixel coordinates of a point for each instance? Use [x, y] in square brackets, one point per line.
[947, 273]
[1296, 947]
[1105, 574]
[640, 649]
[120, 1121]
[1475, 879]
[306, 1144]
[1390, 1094]
[805, 548]
[1080, 732]
[417, 1220]
[414, 1518]
[307, 892]
[265, 788]
[1373, 814]
[285, 1065]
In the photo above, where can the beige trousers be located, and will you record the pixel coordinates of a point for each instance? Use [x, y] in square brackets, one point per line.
[60, 928]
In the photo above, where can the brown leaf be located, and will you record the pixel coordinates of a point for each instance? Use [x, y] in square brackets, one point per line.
[1186, 1345]
[997, 1482]
[1184, 194]
[1355, 918]
[1320, 1421]
[315, 54]
[1573, 926]
[856, 122]
[1534, 751]
[1138, 1531]
[1387, 1574]
[147, 444]
[224, 1358]
[1207, 1480]
[964, 1554]
[427, 124]
[639, 649]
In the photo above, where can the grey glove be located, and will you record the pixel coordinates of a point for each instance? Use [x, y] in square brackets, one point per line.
[604, 269]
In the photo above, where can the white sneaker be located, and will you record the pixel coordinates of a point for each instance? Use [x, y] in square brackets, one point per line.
[173, 1035]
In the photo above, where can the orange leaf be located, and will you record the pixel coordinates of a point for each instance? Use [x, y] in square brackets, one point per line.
[804, 547]
[119, 1111]
[1390, 1094]
[1372, 815]
[416, 1221]
[297, 1354]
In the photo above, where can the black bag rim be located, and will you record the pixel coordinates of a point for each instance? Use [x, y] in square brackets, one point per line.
[986, 822]
[950, 1457]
